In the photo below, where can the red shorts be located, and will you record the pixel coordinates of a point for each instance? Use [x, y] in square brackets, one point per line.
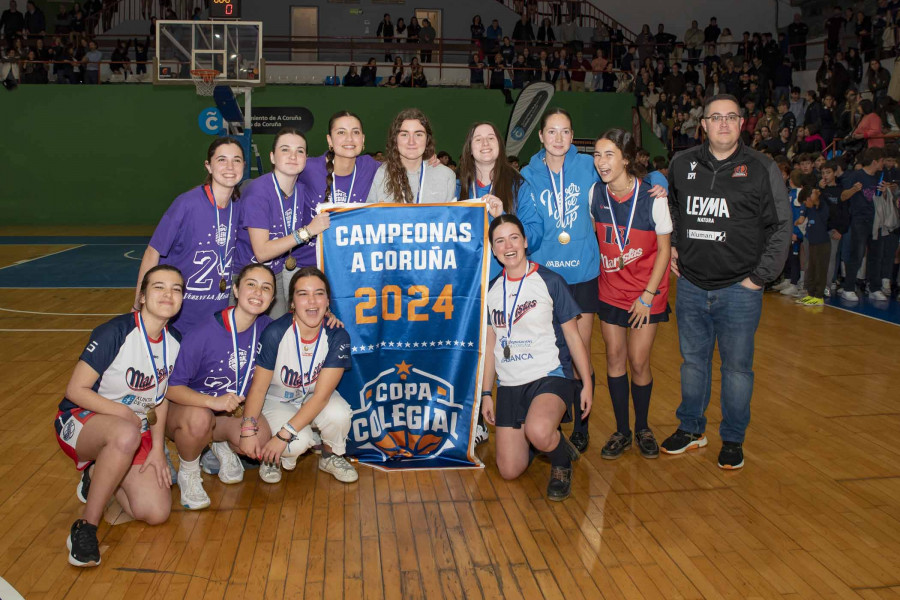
[68, 427]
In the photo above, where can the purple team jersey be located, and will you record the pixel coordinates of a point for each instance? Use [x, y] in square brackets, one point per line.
[265, 208]
[187, 238]
[206, 362]
[314, 178]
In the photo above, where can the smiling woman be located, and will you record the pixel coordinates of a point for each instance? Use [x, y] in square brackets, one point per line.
[197, 235]
[405, 176]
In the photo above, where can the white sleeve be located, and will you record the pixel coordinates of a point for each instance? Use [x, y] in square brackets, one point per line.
[662, 220]
[375, 192]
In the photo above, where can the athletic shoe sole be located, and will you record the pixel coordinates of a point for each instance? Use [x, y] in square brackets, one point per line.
[195, 507]
[732, 467]
[693, 445]
[75, 562]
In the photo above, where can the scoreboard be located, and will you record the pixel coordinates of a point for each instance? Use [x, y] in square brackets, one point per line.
[225, 9]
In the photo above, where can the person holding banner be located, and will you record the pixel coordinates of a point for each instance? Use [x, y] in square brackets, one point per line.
[211, 379]
[270, 230]
[197, 235]
[113, 417]
[309, 357]
[554, 207]
[531, 343]
[633, 231]
[407, 176]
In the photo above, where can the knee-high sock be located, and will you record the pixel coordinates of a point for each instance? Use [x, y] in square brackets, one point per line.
[618, 393]
[640, 396]
[559, 456]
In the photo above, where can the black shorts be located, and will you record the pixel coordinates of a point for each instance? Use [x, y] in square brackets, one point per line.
[514, 401]
[587, 295]
[619, 316]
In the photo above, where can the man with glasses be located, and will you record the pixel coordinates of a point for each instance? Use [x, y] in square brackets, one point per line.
[732, 227]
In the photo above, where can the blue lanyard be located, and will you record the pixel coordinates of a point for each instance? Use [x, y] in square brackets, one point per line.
[219, 251]
[279, 195]
[509, 319]
[157, 396]
[421, 184]
[241, 387]
[620, 240]
[300, 355]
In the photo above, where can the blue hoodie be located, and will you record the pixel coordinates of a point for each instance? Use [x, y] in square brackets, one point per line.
[579, 260]
[494, 265]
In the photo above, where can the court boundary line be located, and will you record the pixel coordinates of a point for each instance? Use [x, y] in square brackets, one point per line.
[56, 314]
[853, 312]
[28, 260]
[33, 330]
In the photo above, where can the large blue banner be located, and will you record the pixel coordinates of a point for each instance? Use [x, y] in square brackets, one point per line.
[408, 281]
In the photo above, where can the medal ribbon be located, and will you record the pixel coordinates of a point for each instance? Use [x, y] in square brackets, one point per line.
[559, 197]
[221, 253]
[300, 355]
[622, 241]
[352, 183]
[241, 387]
[156, 395]
[421, 184]
[279, 195]
[509, 319]
[475, 195]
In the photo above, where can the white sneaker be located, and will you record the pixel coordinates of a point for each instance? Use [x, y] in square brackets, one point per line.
[481, 434]
[230, 468]
[193, 496]
[790, 290]
[339, 467]
[269, 473]
[886, 287]
[827, 292]
[849, 296]
[878, 295]
[288, 463]
[784, 283]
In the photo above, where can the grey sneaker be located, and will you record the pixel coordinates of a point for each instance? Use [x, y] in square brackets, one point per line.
[339, 467]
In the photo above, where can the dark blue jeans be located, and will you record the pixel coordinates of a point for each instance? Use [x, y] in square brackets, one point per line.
[731, 316]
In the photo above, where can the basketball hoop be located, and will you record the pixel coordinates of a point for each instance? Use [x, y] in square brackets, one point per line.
[205, 80]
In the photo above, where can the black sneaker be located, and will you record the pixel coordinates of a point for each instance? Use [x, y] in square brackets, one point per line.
[580, 440]
[84, 551]
[84, 486]
[646, 443]
[681, 441]
[616, 445]
[560, 485]
[731, 456]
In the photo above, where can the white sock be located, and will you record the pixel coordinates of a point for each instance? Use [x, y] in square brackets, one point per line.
[189, 466]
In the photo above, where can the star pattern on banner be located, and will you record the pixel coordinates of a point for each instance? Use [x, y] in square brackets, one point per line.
[448, 344]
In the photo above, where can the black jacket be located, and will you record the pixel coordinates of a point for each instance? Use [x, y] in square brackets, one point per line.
[731, 218]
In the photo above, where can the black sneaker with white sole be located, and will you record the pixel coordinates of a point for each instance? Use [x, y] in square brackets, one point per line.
[84, 550]
[682, 440]
[731, 456]
[84, 486]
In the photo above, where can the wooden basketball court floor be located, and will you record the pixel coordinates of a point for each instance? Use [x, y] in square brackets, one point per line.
[814, 514]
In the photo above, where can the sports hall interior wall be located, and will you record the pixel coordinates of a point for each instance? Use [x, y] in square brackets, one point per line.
[118, 155]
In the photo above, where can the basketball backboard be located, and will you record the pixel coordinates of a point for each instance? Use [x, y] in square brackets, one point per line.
[234, 48]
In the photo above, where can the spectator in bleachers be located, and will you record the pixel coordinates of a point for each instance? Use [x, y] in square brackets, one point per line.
[869, 126]
[798, 105]
[386, 32]
[712, 32]
[369, 73]
[665, 42]
[693, 42]
[797, 33]
[545, 73]
[846, 114]
[598, 64]
[492, 37]
[62, 20]
[352, 78]
[783, 79]
[532, 64]
[416, 77]
[833, 26]
[752, 117]
[600, 37]
[91, 61]
[121, 63]
[397, 69]
[854, 66]
[877, 80]
[508, 51]
[12, 22]
[400, 36]
[140, 57]
[814, 143]
[860, 187]
[520, 72]
[674, 84]
[34, 71]
[413, 30]
[426, 38]
[562, 78]
[477, 29]
[523, 32]
[35, 22]
[628, 58]
[9, 68]
[498, 72]
[476, 71]
[545, 35]
[646, 44]
[580, 69]
[787, 117]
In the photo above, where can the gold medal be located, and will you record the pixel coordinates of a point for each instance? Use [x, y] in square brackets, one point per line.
[222, 285]
[621, 262]
[151, 416]
[506, 352]
[290, 263]
[238, 412]
[564, 237]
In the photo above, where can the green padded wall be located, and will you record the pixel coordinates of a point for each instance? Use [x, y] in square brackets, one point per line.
[119, 154]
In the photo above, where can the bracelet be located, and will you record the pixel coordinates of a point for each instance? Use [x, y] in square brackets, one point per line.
[487, 393]
[297, 237]
[641, 300]
[290, 429]
[286, 441]
[656, 293]
[249, 436]
[251, 419]
[249, 428]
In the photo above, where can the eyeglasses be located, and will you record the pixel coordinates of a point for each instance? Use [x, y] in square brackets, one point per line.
[730, 118]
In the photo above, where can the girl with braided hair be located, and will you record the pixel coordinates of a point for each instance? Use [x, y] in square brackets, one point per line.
[407, 176]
